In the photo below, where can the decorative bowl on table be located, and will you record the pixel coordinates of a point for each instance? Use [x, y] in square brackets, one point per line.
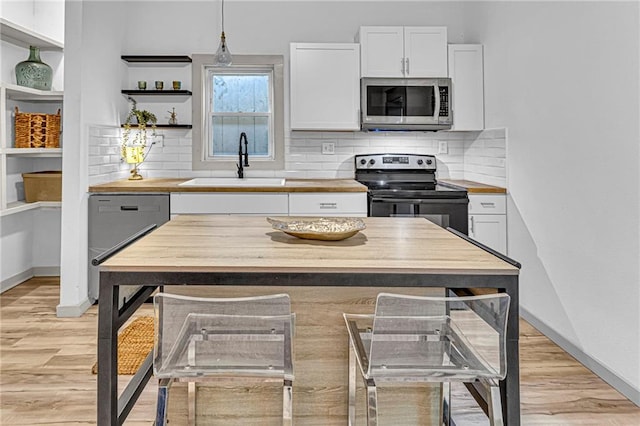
[318, 228]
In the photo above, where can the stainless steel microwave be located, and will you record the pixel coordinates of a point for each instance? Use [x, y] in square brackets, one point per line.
[406, 103]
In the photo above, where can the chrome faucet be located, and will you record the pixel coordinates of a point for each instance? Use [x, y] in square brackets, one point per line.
[243, 163]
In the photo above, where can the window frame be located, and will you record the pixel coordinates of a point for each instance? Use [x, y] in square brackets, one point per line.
[201, 66]
[257, 70]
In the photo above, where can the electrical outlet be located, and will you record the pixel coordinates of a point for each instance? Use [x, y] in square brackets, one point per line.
[443, 147]
[328, 148]
[157, 140]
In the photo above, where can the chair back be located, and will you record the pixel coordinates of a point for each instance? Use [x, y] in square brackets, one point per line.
[197, 336]
[439, 338]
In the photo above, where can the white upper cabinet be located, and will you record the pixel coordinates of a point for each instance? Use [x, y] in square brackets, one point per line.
[325, 86]
[466, 73]
[403, 51]
[382, 51]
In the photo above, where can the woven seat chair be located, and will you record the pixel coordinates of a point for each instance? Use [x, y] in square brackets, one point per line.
[201, 339]
[413, 339]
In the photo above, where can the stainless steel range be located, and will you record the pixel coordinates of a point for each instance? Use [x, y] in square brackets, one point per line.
[406, 185]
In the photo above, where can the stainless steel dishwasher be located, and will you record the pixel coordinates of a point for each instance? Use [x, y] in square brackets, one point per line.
[115, 217]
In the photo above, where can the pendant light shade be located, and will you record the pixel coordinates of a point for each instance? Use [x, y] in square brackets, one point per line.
[223, 56]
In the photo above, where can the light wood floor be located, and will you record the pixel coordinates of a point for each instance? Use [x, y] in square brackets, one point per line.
[45, 371]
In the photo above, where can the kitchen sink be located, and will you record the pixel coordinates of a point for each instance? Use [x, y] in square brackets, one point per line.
[245, 182]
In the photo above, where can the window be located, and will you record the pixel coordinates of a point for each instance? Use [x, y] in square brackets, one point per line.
[245, 97]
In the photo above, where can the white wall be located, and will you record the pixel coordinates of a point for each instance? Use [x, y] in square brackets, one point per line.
[93, 45]
[563, 78]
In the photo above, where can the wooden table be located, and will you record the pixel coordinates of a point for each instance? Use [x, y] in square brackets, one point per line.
[237, 251]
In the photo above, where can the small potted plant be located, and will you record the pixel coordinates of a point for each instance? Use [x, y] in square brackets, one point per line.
[133, 145]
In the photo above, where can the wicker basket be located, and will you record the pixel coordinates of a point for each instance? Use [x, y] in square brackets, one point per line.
[42, 186]
[37, 130]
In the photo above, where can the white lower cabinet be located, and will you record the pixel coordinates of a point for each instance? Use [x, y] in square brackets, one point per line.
[246, 203]
[328, 204]
[488, 220]
[271, 203]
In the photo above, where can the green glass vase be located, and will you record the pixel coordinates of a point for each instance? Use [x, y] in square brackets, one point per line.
[33, 72]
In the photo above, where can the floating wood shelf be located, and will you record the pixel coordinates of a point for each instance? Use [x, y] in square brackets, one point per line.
[165, 126]
[156, 58]
[154, 92]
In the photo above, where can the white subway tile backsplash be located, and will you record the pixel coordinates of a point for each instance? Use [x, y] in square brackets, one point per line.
[306, 135]
[478, 156]
[159, 173]
[354, 143]
[169, 149]
[306, 166]
[98, 159]
[323, 174]
[109, 168]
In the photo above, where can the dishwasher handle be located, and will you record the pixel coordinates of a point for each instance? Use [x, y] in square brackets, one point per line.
[129, 208]
[122, 244]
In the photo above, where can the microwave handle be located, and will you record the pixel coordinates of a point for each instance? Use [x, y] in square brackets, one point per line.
[436, 113]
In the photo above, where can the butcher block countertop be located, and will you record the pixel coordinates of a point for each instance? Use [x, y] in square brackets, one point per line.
[473, 187]
[172, 185]
[211, 243]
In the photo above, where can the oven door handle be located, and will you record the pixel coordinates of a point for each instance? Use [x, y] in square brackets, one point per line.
[421, 200]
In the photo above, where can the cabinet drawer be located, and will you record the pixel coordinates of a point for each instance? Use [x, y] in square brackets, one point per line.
[328, 203]
[249, 203]
[487, 204]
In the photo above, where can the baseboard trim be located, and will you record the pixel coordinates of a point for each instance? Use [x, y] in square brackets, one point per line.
[46, 271]
[13, 281]
[619, 383]
[72, 311]
[36, 271]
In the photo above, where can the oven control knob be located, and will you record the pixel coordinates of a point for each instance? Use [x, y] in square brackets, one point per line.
[363, 161]
[420, 162]
[372, 162]
[429, 161]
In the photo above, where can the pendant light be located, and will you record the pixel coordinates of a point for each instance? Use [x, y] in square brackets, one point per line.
[223, 56]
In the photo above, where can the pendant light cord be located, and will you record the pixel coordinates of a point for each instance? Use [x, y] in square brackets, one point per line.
[223, 16]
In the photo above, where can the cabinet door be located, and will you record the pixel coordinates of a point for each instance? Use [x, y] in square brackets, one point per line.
[243, 203]
[382, 51]
[490, 230]
[466, 73]
[325, 92]
[425, 51]
[328, 204]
